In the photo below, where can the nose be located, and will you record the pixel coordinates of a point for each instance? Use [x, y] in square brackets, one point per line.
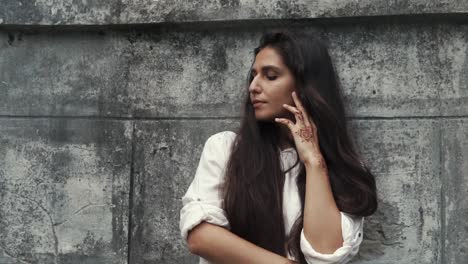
[253, 87]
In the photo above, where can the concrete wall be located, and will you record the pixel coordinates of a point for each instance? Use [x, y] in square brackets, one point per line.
[105, 106]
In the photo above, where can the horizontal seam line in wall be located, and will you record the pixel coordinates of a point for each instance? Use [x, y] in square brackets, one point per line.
[104, 118]
[400, 18]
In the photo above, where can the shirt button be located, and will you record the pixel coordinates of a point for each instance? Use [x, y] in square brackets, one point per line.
[359, 234]
[198, 199]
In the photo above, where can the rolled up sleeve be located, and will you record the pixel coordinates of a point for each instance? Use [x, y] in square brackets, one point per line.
[203, 201]
[352, 231]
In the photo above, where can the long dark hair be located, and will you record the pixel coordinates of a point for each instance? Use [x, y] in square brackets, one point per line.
[254, 179]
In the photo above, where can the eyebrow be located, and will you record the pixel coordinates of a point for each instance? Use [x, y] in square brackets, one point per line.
[266, 68]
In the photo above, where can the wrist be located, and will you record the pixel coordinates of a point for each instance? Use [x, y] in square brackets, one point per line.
[316, 163]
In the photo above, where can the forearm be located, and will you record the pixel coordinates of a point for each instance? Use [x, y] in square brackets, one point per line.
[322, 218]
[219, 245]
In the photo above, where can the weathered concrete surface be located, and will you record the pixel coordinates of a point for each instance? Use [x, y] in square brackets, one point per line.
[386, 70]
[404, 155]
[71, 12]
[59, 12]
[455, 173]
[214, 10]
[190, 73]
[166, 156]
[454, 65]
[400, 70]
[64, 190]
[71, 74]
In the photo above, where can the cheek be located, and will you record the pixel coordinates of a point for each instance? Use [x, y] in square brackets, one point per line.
[279, 111]
[286, 87]
[283, 94]
[287, 99]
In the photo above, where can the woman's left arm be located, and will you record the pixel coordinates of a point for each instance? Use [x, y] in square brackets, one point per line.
[328, 235]
[322, 218]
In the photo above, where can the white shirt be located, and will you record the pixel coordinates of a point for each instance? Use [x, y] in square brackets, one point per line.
[203, 200]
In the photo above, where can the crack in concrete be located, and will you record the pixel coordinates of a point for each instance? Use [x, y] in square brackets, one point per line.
[9, 254]
[131, 224]
[52, 222]
[81, 209]
[442, 199]
[50, 219]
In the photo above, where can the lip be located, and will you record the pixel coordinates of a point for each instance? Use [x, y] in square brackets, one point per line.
[258, 104]
[257, 101]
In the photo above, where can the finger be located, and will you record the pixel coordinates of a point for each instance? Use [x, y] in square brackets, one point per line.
[296, 112]
[301, 108]
[311, 123]
[285, 122]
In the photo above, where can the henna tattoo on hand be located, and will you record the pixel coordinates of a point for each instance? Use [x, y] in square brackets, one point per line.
[299, 116]
[306, 134]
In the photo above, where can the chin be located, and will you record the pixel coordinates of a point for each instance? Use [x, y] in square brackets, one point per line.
[264, 118]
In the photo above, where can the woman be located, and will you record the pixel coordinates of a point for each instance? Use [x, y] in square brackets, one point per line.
[289, 186]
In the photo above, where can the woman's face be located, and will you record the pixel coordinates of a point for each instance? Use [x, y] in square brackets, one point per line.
[272, 83]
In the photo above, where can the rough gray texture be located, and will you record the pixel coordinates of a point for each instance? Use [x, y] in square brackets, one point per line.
[454, 65]
[404, 156]
[59, 12]
[70, 12]
[386, 70]
[455, 172]
[64, 187]
[70, 74]
[132, 11]
[101, 129]
[399, 70]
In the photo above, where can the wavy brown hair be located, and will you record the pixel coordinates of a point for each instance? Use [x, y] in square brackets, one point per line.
[254, 179]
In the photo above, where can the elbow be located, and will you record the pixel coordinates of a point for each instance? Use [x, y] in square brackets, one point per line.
[324, 245]
[328, 249]
[195, 239]
[192, 242]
